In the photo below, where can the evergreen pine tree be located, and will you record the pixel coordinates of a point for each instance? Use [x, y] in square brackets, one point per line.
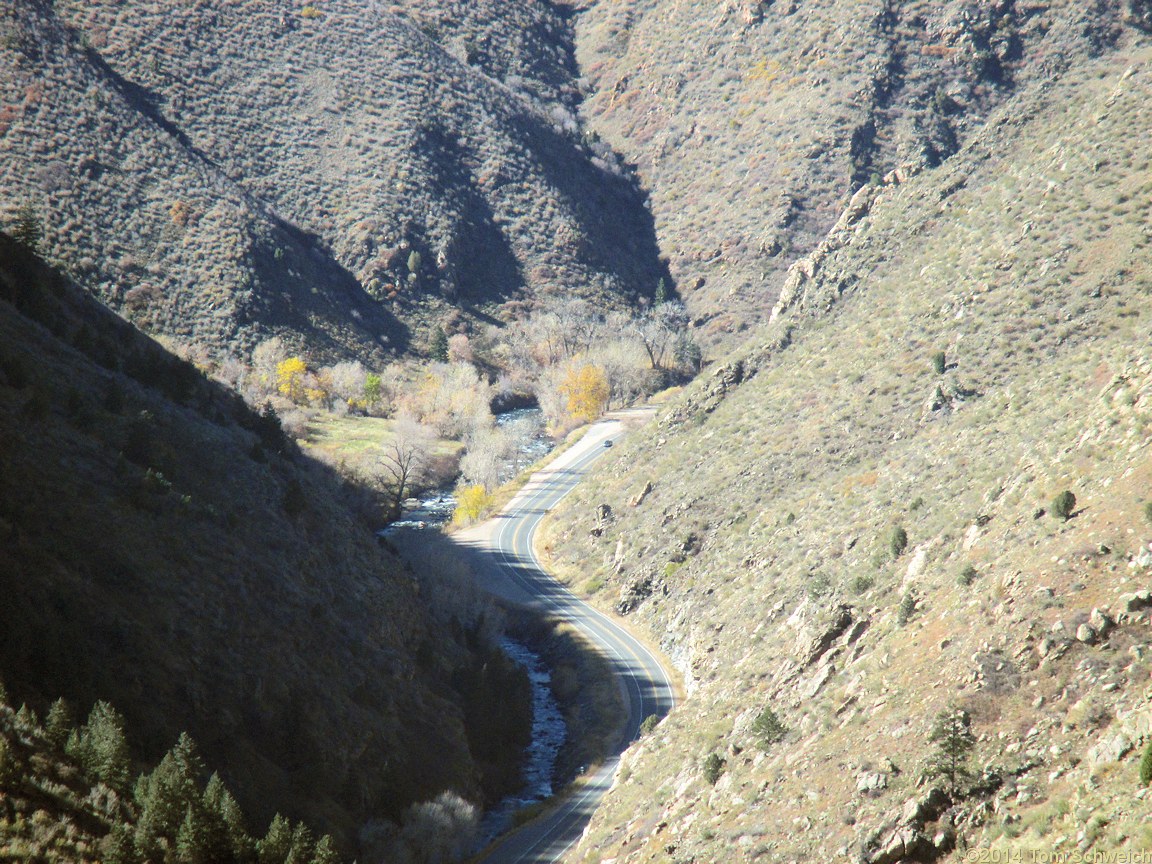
[100, 747]
[243, 846]
[1064, 505]
[217, 842]
[192, 838]
[188, 763]
[165, 795]
[26, 719]
[8, 767]
[713, 768]
[74, 745]
[1146, 766]
[120, 846]
[687, 353]
[58, 724]
[906, 609]
[768, 728]
[26, 229]
[439, 347]
[157, 813]
[302, 846]
[325, 851]
[661, 291]
[109, 746]
[277, 843]
[952, 735]
[898, 541]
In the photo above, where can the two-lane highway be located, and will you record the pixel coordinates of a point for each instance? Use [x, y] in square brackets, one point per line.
[506, 564]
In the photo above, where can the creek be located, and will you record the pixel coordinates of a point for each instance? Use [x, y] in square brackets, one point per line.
[434, 508]
[548, 734]
[526, 428]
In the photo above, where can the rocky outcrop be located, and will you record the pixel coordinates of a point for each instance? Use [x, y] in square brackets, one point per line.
[639, 497]
[842, 619]
[603, 519]
[805, 271]
[1131, 729]
[903, 837]
[720, 383]
[871, 782]
[1136, 601]
[634, 592]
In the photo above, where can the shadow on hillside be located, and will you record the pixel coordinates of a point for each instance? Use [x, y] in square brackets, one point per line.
[540, 611]
[604, 696]
[611, 207]
[491, 271]
[168, 549]
[289, 263]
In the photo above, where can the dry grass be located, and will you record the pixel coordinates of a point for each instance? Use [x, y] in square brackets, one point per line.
[769, 507]
[353, 444]
[753, 122]
[225, 173]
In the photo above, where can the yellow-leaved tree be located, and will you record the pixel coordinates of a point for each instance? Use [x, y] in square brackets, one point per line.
[471, 502]
[587, 390]
[290, 378]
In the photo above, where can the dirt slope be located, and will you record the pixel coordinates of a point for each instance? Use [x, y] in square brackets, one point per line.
[763, 558]
[752, 122]
[223, 171]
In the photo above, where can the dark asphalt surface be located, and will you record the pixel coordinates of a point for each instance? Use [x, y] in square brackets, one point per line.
[508, 567]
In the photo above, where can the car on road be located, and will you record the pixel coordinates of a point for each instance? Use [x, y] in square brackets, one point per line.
[608, 442]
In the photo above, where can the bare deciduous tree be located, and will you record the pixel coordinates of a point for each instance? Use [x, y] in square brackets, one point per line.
[346, 380]
[579, 323]
[657, 330]
[460, 349]
[404, 460]
[488, 450]
[454, 399]
[432, 832]
[268, 355]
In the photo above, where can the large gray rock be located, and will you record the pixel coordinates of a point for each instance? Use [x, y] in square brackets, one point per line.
[841, 620]
[925, 808]
[904, 838]
[1111, 748]
[1136, 600]
[634, 592]
[870, 782]
[902, 843]
[641, 495]
[1101, 622]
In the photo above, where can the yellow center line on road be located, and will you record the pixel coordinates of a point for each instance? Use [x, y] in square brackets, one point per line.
[644, 682]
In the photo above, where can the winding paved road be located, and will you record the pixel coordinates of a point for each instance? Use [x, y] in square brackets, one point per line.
[508, 567]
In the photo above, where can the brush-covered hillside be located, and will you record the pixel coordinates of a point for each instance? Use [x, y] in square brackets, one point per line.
[752, 121]
[343, 174]
[856, 523]
[168, 550]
